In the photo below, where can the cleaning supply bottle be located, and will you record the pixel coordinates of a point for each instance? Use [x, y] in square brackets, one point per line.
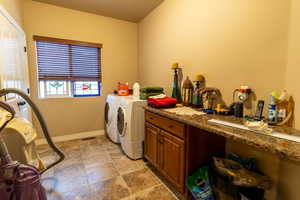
[272, 109]
[136, 91]
[123, 89]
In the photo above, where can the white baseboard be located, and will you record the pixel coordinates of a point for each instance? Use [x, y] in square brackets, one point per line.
[75, 136]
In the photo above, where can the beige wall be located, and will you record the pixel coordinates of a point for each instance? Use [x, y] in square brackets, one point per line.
[290, 171]
[119, 61]
[231, 42]
[14, 8]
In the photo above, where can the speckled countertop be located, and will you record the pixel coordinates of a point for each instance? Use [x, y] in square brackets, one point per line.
[286, 149]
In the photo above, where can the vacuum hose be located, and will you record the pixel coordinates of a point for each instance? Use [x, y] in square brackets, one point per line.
[42, 122]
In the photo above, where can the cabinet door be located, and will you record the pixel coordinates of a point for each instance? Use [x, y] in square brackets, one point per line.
[172, 159]
[151, 144]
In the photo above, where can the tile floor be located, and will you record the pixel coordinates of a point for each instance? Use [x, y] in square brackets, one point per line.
[96, 169]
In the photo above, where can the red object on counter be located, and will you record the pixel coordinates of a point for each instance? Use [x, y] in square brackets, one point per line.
[123, 89]
[166, 102]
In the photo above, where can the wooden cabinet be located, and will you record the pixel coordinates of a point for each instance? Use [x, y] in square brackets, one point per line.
[151, 144]
[176, 150]
[172, 159]
[173, 127]
[165, 148]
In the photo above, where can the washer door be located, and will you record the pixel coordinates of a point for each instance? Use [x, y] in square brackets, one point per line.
[122, 125]
[107, 114]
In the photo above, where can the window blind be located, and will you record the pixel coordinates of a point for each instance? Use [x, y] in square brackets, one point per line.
[68, 60]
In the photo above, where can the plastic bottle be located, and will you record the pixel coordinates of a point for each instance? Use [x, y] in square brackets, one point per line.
[123, 89]
[136, 91]
[272, 110]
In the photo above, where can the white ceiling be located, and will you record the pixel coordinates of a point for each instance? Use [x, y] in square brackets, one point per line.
[129, 10]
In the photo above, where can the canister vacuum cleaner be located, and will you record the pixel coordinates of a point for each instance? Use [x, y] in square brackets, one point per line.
[22, 181]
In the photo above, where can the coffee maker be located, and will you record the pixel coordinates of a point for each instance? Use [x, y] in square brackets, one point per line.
[237, 107]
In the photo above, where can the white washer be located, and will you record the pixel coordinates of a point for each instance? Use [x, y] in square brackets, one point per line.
[110, 117]
[130, 126]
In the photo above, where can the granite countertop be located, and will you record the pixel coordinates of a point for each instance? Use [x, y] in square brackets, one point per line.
[284, 148]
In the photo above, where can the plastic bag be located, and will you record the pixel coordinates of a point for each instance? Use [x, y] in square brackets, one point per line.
[199, 184]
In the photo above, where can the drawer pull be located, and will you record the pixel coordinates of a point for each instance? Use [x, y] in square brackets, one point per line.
[171, 126]
[160, 139]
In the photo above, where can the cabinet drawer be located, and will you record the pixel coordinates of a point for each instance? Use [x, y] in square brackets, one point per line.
[169, 125]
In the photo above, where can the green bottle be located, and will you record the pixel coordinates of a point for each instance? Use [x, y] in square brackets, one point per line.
[176, 87]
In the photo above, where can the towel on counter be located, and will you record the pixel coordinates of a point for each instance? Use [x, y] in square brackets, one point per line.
[158, 96]
[166, 102]
[145, 96]
[152, 90]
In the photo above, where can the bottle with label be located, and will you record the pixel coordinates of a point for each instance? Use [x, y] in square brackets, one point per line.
[272, 115]
[123, 89]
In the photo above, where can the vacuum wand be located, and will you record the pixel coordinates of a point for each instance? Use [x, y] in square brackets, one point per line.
[4, 155]
[41, 120]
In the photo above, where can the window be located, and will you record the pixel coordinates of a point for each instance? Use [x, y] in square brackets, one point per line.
[68, 68]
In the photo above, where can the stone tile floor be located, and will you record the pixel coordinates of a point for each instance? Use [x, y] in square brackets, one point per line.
[96, 169]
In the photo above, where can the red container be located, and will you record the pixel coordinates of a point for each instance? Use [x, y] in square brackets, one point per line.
[123, 89]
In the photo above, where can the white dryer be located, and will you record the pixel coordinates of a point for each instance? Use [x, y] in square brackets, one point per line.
[130, 126]
[110, 117]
